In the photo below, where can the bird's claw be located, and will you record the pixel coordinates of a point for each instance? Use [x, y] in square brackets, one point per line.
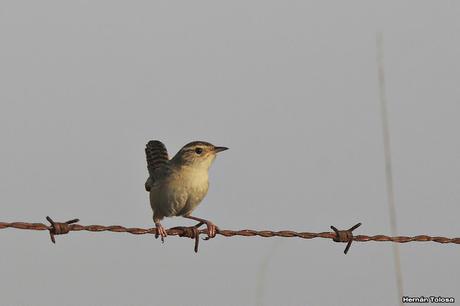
[161, 232]
[211, 227]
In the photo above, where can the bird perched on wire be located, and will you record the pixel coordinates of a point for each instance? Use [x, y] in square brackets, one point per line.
[178, 185]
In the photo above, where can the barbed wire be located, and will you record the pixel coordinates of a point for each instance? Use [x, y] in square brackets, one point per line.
[344, 236]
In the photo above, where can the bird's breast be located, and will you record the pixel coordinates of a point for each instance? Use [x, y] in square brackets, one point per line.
[181, 193]
[196, 184]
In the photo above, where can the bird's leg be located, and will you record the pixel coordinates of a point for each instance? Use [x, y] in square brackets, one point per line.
[212, 228]
[160, 230]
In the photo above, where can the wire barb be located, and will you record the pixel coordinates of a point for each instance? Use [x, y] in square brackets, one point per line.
[192, 232]
[345, 236]
[59, 228]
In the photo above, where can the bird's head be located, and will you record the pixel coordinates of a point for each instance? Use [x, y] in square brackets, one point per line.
[199, 154]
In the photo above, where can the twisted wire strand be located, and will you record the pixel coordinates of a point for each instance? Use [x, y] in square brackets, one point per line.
[181, 231]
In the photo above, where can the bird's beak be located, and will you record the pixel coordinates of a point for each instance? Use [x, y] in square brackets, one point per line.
[220, 149]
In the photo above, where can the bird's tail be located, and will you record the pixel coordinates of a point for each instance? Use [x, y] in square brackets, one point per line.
[157, 155]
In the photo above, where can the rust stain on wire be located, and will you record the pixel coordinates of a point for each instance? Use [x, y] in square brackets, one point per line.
[193, 232]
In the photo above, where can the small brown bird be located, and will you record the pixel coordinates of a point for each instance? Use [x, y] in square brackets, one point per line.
[178, 185]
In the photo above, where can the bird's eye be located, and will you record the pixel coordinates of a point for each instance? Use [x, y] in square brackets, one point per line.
[198, 150]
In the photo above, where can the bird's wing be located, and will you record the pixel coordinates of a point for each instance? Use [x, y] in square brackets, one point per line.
[157, 161]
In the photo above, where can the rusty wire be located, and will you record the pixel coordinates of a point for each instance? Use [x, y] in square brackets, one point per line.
[345, 236]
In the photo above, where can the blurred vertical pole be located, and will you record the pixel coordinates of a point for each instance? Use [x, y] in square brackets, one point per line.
[388, 166]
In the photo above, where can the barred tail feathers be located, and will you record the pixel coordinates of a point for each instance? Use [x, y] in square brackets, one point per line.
[157, 155]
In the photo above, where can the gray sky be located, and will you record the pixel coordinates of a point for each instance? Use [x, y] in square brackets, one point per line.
[291, 87]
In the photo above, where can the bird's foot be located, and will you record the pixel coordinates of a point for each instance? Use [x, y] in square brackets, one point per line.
[160, 232]
[211, 227]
